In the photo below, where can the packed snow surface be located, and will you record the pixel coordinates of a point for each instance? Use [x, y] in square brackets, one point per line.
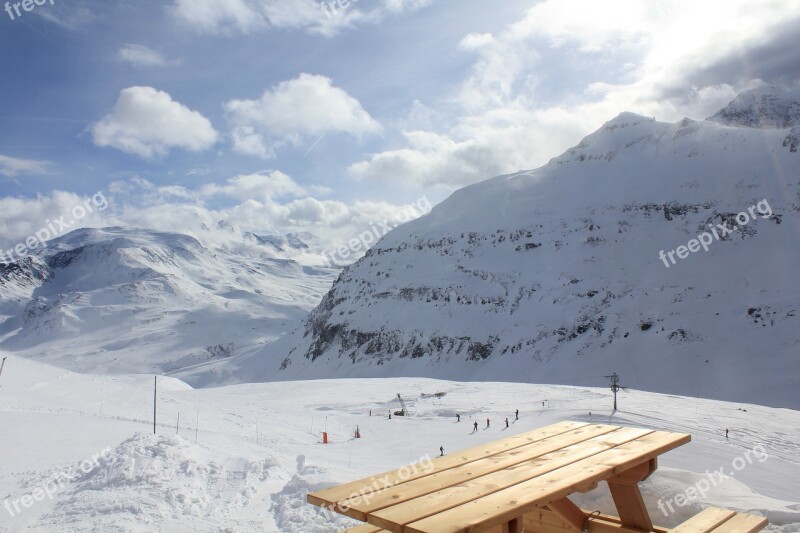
[257, 451]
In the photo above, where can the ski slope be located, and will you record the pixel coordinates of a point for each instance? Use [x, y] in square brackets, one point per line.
[258, 451]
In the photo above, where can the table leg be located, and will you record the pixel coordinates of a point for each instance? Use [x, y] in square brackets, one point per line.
[627, 497]
[569, 512]
[513, 526]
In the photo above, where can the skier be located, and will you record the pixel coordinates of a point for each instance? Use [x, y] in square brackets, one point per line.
[726, 433]
[441, 449]
[516, 415]
[506, 421]
[476, 426]
[458, 418]
[487, 423]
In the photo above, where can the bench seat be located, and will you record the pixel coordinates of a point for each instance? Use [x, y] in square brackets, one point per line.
[366, 528]
[715, 520]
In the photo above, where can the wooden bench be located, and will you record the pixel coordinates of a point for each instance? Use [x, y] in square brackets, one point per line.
[710, 520]
[522, 483]
[366, 528]
[722, 521]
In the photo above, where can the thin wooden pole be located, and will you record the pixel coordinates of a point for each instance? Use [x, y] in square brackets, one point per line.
[155, 401]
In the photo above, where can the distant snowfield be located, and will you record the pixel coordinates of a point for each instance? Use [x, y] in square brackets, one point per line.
[258, 449]
[126, 300]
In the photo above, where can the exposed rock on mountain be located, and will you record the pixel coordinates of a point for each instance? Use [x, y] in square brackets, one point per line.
[556, 275]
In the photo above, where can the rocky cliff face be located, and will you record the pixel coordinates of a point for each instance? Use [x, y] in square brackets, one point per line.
[765, 107]
[586, 266]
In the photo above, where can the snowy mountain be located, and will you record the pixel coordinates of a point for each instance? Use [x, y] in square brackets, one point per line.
[764, 107]
[243, 457]
[126, 300]
[590, 264]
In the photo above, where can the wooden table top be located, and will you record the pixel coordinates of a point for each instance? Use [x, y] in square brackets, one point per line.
[494, 483]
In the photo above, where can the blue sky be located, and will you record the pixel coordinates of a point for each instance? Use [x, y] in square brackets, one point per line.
[276, 117]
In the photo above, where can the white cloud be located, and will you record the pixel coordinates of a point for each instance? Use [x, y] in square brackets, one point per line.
[294, 109]
[21, 218]
[247, 16]
[213, 16]
[71, 17]
[502, 121]
[142, 56]
[262, 186]
[149, 123]
[11, 166]
[265, 203]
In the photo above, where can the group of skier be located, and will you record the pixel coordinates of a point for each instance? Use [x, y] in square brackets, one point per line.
[475, 425]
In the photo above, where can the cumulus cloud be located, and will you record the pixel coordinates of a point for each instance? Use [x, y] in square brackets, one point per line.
[667, 59]
[247, 16]
[142, 56]
[266, 203]
[21, 218]
[294, 109]
[11, 166]
[262, 185]
[149, 123]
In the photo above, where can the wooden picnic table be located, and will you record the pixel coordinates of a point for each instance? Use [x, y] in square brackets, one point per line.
[519, 482]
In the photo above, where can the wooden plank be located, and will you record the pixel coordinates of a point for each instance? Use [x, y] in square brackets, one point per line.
[743, 523]
[704, 522]
[442, 500]
[636, 474]
[330, 496]
[366, 528]
[630, 505]
[616, 520]
[569, 512]
[505, 504]
[359, 507]
[544, 521]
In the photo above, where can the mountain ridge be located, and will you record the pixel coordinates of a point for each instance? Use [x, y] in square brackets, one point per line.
[127, 300]
[553, 275]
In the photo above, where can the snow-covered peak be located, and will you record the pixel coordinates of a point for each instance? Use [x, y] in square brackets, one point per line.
[138, 300]
[625, 119]
[763, 107]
